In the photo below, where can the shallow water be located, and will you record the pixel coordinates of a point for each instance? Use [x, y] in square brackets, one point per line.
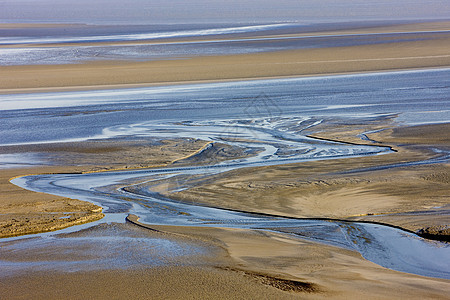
[389, 247]
[420, 96]
[105, 246]
[386, 246]
[265, 114]
[160, 46]
[201, 11]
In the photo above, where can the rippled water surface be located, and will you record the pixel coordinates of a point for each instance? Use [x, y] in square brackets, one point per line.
[417, 96]
[267, 115]
[163, 44]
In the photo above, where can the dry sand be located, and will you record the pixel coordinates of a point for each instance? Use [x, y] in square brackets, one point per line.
[248, 266]
[420, 54]
[320, 189]
[244, 263]
[330, 272]
[416, 53]
[25, 212]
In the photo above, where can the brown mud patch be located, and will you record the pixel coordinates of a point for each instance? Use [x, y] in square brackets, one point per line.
[25, 212]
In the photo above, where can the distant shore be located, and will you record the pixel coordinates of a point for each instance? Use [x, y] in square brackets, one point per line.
[416, 52]
[238, 263]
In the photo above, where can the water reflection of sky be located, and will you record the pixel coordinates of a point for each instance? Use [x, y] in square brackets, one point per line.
[107, 246]
[41, 117]
[171, 50]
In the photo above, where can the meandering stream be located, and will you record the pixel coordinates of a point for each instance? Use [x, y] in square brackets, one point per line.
[128, 192]
[264, 117]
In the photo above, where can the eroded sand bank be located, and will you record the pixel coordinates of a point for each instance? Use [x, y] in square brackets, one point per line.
[25, 212]
[333, 189]
[241, 263]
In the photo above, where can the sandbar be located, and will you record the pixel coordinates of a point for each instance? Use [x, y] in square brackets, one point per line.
[416, 52]
[244, 264]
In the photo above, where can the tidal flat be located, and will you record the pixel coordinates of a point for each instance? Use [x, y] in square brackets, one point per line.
[195, 176]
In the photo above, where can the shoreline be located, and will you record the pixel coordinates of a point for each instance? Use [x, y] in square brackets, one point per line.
[198, 146]
[25, 212]
[207, 81]
[393, 203]
[417, 52]
[108, 259]
[236, 262]
[198, 69]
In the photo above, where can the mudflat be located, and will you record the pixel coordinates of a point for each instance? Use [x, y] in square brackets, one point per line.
[242, 263]
[236, 263]
[333, 189]
[415, 51]
[25, 212]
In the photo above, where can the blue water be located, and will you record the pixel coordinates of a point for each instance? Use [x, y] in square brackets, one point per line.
[268, 108]
[207, 11]
[386, 246]
[206, 40]
[420, 96]
[415, 96]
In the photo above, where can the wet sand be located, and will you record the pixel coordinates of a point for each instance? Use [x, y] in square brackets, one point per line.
[318, 189]
[243, 263]
[330, 189]
[417, 52]
[25, 212]
[288, 63]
